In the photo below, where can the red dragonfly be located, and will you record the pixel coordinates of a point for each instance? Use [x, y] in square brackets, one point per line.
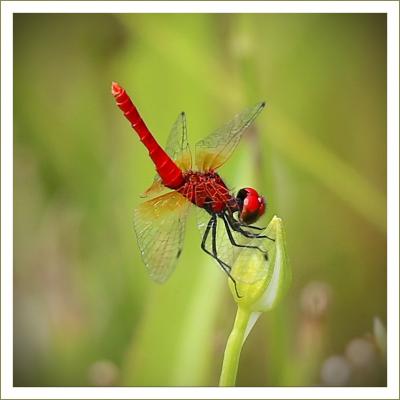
[159, 223]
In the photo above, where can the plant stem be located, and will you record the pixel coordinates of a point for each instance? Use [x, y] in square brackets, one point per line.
[234, 347]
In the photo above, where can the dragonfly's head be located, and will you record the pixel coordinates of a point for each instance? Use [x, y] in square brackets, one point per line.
[251, 205]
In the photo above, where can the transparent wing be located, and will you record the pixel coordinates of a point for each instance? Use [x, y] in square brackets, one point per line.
[160, 226]
[177, 144]
[229, 253]
[178, 149]
[156, 188]
[216, 148]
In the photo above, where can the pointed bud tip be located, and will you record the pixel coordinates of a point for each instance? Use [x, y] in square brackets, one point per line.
[115, 89]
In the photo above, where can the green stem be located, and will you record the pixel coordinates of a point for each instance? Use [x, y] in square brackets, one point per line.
[234, 347]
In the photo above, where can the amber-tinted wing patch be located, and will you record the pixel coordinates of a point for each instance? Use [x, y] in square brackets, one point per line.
[160, 226]
[156, 188]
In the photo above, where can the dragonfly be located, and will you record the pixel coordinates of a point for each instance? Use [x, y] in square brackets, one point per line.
[224, 219]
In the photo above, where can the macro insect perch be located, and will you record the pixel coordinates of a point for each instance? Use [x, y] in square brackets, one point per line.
[160, 222]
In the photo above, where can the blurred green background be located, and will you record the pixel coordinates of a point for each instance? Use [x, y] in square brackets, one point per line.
[85, 312]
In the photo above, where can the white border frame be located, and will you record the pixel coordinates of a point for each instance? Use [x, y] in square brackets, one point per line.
[7, 10]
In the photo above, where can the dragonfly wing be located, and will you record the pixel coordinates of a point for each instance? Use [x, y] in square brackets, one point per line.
[229, 253]
[159, 225]
[157, 188]
[178, 149]
[177, 144]
[217, 147]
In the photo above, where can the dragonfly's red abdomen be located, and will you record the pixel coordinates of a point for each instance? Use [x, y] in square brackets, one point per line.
[171, 175]
[207, 190]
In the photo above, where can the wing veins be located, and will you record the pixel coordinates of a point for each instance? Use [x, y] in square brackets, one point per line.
[225, 139]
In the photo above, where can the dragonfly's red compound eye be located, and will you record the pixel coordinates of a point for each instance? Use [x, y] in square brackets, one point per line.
[251, 204]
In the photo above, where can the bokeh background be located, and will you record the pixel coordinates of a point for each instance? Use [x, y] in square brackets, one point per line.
[85, 312]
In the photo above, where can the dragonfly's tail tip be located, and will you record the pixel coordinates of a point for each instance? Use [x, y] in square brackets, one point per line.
[115, 88]
[263, 104]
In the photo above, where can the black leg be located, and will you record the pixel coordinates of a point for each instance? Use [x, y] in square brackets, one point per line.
[205, 236]
[237, 227]
[257, 228]
[227, 268]
[214, 247]
[232, 240]
[212, 226]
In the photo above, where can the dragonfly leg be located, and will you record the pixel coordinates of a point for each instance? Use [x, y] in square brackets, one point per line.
[232, 240]
[257, 228]
[237, 227]
[214, 247]
[212, 225]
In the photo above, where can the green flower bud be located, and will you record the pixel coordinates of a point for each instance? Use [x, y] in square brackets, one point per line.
[262, 280]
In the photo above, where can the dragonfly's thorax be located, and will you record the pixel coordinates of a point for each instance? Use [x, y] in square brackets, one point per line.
[207, 190]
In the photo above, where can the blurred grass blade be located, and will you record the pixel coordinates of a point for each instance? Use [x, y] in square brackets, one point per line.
[338, 176]
[380, 336]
